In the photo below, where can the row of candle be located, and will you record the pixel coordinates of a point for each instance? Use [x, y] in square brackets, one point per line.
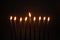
[34, 18]
[26, 19]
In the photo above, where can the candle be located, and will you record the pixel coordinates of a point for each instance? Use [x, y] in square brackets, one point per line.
[34, 24]
[12, 30]
[29, 25]
[21, 26]
[24, 29]
[15, 26]
[20, 19]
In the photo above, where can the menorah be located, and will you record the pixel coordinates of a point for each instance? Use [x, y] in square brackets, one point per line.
[29, 19]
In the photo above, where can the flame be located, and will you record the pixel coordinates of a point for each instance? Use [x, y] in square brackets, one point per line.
[15, 18]
[34, 18]
[29, 14]
[39, 18]
[20, 19]
[25, 18]
[11, 17]
[48, 19]
[44, 18]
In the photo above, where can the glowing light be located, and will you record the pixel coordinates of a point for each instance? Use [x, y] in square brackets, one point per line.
[48, 19]
[15, 18]
[11, 17]
[39, 18]
[44, 18]
[20, 19]
[29, 14]
[34, 19]
[25, 18]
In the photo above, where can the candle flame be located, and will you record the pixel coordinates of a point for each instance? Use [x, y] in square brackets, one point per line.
[15, 18]
[39, 18]
[11, 17]
[44, 18]
[20, 19]
[29, 14]
[48, 19]
[34, 18]
[25, 18]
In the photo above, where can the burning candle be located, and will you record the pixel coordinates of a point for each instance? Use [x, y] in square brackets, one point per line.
[34, 24]
[20, 19]
[12, 27]
[25, 19]
[15, 26]
[34, 19]
[24, 28]
[29, 25]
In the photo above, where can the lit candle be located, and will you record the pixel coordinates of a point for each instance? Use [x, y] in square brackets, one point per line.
[11, 18]
[20, 19]
[34, 19]
[29, 25]
[39, 18]
[15, 25]
[34, 25]
[24, 29]
[25, 19]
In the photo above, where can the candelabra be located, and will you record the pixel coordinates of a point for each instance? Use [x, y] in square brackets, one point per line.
[28, 20]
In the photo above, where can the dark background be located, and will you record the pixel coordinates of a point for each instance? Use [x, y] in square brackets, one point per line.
[22, 7]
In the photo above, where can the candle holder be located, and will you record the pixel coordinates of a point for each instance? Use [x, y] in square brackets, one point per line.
[33, 22]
